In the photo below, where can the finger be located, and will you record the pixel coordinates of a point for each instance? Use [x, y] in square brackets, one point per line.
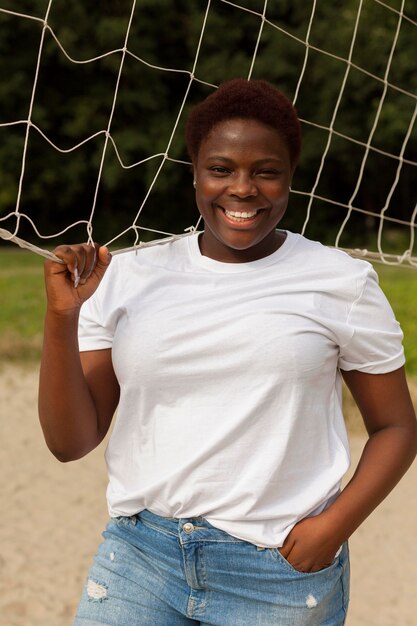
[317, 568]
[287, 546]
[104, 256]
[64, 254]
[90, 261]
[73, 257]
[97, 261]
[86, 261]
[103, 261]
[80, 275]
[80, 261]
[285, 551]
[68, 256]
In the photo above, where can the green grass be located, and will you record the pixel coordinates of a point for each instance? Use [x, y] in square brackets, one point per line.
[22, 305]
[400, 287]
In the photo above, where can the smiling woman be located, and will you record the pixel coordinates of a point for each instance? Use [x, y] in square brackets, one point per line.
[244, 144]
[223, 353]
[243, 174]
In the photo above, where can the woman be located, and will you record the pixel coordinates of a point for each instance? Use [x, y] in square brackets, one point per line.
[223, 352]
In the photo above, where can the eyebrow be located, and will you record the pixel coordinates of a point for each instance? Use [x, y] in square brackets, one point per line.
[219, 157]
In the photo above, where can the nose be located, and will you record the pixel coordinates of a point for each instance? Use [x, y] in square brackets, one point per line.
[242, 185]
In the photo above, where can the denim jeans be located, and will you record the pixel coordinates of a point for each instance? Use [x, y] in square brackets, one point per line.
[155, 571]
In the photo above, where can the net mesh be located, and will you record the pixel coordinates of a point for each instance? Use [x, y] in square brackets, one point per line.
[363, 71]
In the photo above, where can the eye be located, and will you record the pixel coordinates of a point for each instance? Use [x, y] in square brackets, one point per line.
[268, 173]
[219, 170]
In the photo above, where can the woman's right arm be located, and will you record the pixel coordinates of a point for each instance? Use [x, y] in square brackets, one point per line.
[78, 393]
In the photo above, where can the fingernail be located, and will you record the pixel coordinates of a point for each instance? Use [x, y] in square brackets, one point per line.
[76, 278]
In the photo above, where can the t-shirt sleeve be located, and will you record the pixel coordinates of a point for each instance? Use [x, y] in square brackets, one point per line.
[375, 344]
[94, 333]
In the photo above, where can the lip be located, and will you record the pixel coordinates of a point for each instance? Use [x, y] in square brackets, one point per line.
[248, 222]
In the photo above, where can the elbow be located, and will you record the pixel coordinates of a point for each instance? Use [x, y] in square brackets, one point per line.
[65, 451]
[66, 456]
[67, 445]
[410, 443]
[413, 440]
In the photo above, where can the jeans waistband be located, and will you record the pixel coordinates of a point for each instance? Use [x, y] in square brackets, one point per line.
[188, 528]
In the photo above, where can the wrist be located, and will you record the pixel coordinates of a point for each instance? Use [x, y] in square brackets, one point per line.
[70, 315]
[338, 519]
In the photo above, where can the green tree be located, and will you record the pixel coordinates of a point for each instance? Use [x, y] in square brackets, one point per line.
[74, 101]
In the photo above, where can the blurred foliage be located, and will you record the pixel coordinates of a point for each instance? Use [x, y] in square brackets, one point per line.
[74, 100]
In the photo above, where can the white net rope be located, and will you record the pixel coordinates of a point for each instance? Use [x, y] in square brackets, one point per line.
[385, 216]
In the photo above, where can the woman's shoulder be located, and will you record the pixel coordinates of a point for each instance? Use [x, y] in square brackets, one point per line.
[316, 254]
[325, 269]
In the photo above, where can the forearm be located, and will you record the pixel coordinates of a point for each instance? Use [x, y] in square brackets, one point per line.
[66, 408]
[386, 457]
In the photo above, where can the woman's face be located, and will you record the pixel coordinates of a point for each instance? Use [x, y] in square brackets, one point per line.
[243, 174]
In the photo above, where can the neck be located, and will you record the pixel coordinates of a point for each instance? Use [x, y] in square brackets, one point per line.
[214, 249]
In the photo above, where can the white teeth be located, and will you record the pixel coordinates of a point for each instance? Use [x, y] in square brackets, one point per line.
[240, 214]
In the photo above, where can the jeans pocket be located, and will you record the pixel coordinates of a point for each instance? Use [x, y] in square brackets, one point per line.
[279, 557]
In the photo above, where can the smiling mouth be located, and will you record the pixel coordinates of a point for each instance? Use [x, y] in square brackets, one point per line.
[241, 216]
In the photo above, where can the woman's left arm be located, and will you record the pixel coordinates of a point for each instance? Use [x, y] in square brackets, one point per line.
[387, 410]
[388, 413]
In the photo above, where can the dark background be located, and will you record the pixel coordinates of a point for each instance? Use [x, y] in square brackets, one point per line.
[74, 101]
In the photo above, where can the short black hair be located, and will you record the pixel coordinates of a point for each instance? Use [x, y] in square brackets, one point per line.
[250, 99]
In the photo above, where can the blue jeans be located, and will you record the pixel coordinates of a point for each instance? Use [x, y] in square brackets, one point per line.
[155, 571]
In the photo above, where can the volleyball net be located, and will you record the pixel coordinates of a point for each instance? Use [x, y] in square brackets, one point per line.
[80, 134]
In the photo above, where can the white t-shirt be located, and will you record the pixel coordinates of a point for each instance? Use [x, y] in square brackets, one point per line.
[230, 403]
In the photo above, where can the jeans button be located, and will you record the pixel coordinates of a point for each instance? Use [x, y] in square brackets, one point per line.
[188, 528]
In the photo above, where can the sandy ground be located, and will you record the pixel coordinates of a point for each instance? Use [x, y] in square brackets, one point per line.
[53, 515]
